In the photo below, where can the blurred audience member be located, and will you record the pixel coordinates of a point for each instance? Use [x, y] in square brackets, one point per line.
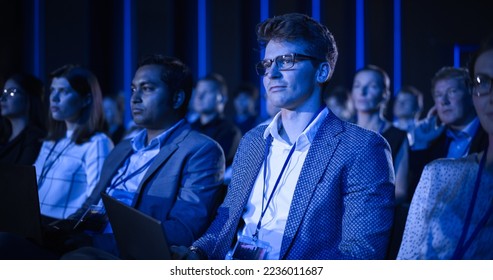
[211, 95]
[407, 108]
[113, 115]
[370, 94]
[24, 119]
[450, 213]
[340, 103]
[451, 129]
[245, 102]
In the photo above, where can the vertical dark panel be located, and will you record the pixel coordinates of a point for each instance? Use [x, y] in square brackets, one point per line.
[279, 7]
[154, 27]
[339, 17]
[12, 28]
[379, 34]
[249, 50]
[185, 32]
[103, 43]
[226, 44]
[67, 33]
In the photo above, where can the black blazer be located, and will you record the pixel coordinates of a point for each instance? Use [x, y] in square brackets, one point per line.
[438, 149]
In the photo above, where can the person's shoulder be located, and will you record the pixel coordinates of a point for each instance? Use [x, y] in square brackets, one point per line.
[196, 138]
[256, 132]
[453, 164]
[360, 135]
[100, 136]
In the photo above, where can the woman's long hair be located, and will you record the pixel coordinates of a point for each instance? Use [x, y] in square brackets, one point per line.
[91, 120]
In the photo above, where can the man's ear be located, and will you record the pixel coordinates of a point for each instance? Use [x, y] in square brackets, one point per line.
[323, 72]
[178, 99]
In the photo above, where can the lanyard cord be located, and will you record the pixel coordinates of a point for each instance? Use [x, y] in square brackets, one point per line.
[48, 165]
[122, 180]
[464, 244]
[266, 154]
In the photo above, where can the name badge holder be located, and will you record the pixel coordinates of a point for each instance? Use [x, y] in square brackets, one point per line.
[249, 248]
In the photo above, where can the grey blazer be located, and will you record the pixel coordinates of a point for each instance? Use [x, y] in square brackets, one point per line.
[182, 186]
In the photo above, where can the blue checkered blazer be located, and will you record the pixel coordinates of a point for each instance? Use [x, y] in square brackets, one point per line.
[342, 206]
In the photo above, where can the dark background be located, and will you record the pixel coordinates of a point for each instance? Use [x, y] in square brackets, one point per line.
[91, 33]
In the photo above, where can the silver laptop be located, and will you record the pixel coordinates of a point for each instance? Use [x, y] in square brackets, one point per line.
[138, 236]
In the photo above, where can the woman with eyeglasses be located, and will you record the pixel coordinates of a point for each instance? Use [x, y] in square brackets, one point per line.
[71, 158]
[23, 118]
[451, 214]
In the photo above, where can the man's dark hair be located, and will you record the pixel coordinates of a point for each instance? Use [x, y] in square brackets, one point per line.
[294, 27]
[447, 72]
[176, 75]
[219, 81]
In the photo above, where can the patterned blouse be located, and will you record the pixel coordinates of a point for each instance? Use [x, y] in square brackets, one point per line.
[67, 173]
[438, 210]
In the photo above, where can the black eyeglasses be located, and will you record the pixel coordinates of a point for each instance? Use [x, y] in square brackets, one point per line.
[10, 92]
[481, 85]
[283, 62]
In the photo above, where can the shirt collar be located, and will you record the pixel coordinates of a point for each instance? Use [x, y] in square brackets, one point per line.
[306, 136]
[467, 132]
[138, 142]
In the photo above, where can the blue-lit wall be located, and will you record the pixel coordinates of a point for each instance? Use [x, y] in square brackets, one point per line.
[411, 39]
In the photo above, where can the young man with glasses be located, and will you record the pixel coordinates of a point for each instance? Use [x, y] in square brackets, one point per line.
[307, 185]
[451, 130]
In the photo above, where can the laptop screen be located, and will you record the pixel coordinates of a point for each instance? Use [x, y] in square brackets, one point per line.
[137, 235]
[19, 203]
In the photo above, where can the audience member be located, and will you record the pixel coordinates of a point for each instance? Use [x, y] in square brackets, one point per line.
[113, 115]
[450, 213]
[370, 94]
[407, 108]
[308, 185]
[211, 95]
[451, 129]
[167, 171]
[22, 107]
[245, 102]
[340, 103]
[70, 161]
